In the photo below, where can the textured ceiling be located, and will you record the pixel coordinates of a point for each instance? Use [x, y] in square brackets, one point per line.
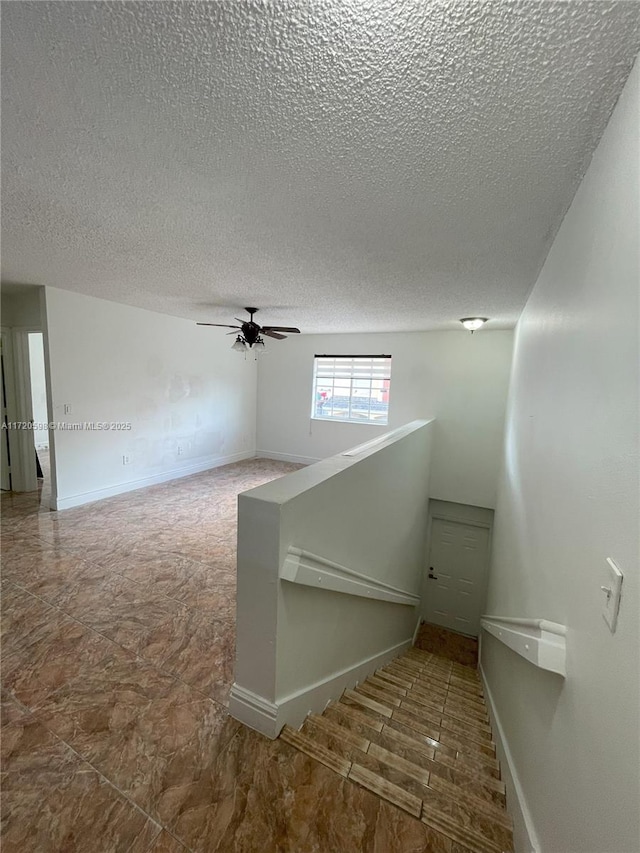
[363, 165]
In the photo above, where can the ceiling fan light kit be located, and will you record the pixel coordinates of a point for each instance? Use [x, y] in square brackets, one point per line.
[250, 333]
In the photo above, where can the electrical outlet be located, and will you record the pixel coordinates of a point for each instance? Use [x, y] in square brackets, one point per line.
[126, 459]
[67, 408]
[180, 449]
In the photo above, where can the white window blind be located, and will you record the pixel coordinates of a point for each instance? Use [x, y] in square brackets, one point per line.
[352, 388]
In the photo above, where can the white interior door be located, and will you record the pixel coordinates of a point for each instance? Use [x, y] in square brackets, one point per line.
[455, 589]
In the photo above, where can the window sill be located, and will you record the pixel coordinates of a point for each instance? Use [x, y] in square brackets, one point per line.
[344, 421]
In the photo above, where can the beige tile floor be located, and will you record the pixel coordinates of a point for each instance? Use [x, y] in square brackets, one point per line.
[118, 637]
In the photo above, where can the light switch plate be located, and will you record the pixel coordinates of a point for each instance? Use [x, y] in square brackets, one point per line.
[612, 590]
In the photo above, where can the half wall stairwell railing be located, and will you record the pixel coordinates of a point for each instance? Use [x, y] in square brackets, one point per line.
[330, 563]
[541, 642]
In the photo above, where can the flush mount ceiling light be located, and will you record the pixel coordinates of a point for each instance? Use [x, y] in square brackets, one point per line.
[473, 323]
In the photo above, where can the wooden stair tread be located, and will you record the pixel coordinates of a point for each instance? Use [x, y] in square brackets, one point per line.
[416, 733]
[478, 739]
[479, 783]
[412, 779]
[469, 677]
[387, 790]
[436, 681]
[443, 739]
[313, 750]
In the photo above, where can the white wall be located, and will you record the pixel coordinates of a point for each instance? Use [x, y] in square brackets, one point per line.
[298, 646]
[458, 378]
[568, 499]
[21, 306]
[38, 390]
[175, 382]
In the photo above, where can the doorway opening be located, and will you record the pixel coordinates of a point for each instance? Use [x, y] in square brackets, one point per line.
[26, 439]
[39, 412]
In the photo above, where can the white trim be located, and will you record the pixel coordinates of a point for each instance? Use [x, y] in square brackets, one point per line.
[268, 717]
[12, 410]
[350, 421]
[525, 837]
[540, 642]
[311, 570]
[53, 468]
[458, 519]
[286, 457]
[120, 488]
[417, 628]
[388, 438]
[254, 711]
[21, 442]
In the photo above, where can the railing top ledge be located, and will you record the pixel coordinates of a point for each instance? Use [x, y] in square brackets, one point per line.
[514, 621]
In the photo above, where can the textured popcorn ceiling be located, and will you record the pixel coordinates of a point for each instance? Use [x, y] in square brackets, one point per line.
[361, 165]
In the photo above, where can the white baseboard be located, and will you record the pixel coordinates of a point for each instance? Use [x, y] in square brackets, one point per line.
[415, 633]
[286, 457]
[205, 464]
[268, 717]
[525, 838]
[254, 711]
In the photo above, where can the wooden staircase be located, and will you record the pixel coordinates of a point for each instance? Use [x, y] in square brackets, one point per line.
[417, 734]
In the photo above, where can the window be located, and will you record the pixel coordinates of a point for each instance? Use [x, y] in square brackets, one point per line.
[352, 388]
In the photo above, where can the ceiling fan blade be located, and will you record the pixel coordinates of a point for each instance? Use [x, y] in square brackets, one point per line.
[291, 329]
[220, 325]
[271, 334]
